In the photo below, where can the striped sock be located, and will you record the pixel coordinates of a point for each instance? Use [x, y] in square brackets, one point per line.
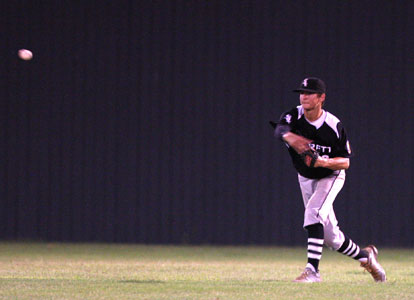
[351, 249]
[315, 245]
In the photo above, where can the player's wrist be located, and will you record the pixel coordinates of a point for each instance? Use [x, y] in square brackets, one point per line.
[286, 135]
[322, 162]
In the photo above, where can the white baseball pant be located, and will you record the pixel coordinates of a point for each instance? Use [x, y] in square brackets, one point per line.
[318, 197]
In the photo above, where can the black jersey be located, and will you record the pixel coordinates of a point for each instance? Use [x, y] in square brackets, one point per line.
[329, 139]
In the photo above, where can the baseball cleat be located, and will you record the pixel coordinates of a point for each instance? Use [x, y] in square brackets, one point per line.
[372, 265]
[308, 276]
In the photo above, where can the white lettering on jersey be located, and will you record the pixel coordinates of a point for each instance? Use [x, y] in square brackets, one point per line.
[288, 119]
[321, 149]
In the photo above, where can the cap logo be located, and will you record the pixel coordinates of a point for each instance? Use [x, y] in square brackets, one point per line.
[305, 82]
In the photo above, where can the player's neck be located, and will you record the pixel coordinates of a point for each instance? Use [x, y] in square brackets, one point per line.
[313, 114]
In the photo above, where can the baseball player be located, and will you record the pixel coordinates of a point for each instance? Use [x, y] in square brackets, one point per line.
[320, 151]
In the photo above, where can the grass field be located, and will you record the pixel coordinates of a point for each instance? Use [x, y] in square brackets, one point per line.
[101, 271]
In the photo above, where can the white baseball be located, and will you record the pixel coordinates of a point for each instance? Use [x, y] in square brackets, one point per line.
[25, 54]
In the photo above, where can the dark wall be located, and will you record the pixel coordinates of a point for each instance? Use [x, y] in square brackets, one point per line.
[147, 121]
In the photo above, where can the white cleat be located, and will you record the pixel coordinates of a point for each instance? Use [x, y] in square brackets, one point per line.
[308, 276]
[373, 266]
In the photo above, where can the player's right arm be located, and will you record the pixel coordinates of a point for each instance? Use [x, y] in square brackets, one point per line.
[283, 131]
[284, 126]
[297, 142]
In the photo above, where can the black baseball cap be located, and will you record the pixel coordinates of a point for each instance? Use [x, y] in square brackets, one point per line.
[312, 85]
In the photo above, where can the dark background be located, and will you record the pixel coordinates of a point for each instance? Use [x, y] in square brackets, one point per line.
[147, 121]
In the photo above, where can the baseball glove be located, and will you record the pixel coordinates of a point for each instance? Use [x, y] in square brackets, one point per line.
[302, 146]
[309, 157]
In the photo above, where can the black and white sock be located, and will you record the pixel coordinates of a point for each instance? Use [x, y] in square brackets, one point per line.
[351, 249]
[315, 246]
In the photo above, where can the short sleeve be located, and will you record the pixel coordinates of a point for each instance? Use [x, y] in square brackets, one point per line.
[344, 146]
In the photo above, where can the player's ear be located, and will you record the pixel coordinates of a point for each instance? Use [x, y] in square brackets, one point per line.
[322, 97]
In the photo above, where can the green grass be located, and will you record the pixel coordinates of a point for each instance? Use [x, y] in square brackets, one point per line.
[101, 271]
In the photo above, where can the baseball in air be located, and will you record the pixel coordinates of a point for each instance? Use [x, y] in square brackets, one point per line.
[25, 54]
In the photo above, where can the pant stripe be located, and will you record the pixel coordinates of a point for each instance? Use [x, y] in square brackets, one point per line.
[327, 194]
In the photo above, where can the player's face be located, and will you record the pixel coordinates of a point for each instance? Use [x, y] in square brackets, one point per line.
[311, 101]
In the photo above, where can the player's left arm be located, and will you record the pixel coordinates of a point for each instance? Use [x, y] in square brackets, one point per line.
[335, 163]
[342, 162]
